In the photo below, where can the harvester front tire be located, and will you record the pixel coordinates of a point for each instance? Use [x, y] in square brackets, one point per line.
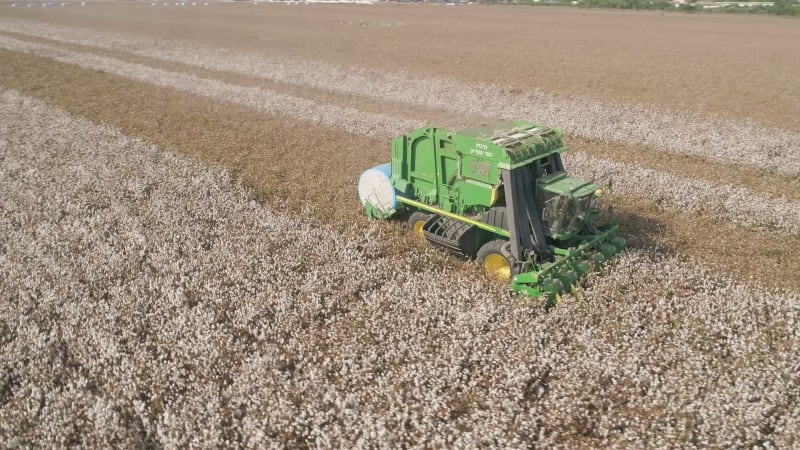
[416, 222]
[495, 261]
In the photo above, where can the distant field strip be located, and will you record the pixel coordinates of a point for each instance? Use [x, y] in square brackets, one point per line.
[728, 203]
[263, 100]
[719, 140]
[152, 298]
[737, 205]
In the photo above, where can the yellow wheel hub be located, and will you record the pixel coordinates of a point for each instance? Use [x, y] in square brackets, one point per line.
[418, 229]
[497, 266]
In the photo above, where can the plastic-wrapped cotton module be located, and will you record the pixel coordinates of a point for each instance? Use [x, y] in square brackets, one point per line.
[375, 187]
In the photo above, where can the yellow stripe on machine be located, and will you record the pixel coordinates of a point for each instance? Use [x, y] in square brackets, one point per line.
[481, 225]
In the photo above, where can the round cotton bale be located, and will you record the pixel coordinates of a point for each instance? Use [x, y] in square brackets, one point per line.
[375, 186]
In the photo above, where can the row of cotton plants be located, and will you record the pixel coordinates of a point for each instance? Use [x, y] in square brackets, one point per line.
[151, 301]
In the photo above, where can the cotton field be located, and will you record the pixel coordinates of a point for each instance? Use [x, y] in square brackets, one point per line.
[184, 261]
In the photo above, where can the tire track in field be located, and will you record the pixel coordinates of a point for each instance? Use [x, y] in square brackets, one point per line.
[720, 140]
[728, 203]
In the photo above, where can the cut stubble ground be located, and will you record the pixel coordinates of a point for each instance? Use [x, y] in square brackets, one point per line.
[366, 93]
[725, 203]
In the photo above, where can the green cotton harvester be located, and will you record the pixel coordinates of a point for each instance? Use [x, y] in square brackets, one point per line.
[497, 193]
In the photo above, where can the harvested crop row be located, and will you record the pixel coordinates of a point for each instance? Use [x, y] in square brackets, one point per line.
[152, 302]
[754, 210]
[685, 166]
[265, 151]
[681, 133]
[262, 100]
[724, 202]
[261, 149]
[679, 62]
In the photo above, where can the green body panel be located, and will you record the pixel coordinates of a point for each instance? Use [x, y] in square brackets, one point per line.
[509, 143]
[459, 171]
[377, 213]
[430, 165]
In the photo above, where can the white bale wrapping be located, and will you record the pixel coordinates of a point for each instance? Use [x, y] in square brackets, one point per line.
[375, 186]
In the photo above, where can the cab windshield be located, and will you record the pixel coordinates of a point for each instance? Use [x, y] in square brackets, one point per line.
[564, 215]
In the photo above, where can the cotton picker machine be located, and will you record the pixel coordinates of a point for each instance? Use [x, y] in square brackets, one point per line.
[497, 193]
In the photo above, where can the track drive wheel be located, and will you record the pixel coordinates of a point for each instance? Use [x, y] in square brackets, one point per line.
[494, 260]
[416, 222]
